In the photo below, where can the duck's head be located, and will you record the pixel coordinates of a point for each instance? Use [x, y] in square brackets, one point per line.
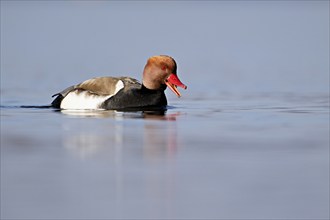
[159, 71]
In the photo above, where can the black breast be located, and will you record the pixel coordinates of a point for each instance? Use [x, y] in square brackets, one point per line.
[137, 98]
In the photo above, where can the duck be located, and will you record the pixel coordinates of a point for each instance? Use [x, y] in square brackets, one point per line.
[120, 93]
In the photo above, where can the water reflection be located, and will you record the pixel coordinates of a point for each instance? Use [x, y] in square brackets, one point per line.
[158, 114]
[143, 139]
[89, 113]
[159, 142]
[154, 135]
[85, 142]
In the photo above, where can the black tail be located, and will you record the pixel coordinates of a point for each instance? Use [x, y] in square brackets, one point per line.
[57, 101]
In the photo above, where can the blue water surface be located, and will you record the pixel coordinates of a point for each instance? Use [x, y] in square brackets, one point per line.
[249, 139]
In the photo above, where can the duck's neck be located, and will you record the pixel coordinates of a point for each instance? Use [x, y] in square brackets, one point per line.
[151, 80]
[151, 84]
[162, 88]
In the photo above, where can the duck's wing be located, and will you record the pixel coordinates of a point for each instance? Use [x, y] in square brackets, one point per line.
[100, 88]
[101, 85]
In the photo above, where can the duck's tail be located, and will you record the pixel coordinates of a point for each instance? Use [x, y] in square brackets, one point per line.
[56, 103]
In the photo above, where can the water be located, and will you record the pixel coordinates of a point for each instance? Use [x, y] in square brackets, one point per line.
[249, 138]
[234, 159]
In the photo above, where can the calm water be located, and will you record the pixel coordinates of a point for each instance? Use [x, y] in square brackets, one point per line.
[257, 157]
[249, 138]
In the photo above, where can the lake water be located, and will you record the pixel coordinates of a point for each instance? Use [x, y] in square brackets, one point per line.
[249, 139]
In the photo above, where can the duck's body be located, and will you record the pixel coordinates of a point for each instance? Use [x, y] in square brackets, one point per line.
[110, 93]
[117, 93]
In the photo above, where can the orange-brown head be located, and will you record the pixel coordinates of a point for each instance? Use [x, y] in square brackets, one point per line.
[161, 70]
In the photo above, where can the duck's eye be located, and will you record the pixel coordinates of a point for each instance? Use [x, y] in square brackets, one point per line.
[164, 68]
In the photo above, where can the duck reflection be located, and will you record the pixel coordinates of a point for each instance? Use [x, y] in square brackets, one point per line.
[159, 142]
[89, 138]
[158, 114]
[126, 141]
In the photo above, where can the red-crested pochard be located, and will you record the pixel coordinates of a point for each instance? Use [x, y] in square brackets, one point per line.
[119, 93]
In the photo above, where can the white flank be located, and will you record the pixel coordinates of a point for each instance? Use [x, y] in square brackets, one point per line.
[85, 100]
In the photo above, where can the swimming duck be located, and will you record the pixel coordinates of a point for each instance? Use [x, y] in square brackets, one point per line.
[119, 93]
